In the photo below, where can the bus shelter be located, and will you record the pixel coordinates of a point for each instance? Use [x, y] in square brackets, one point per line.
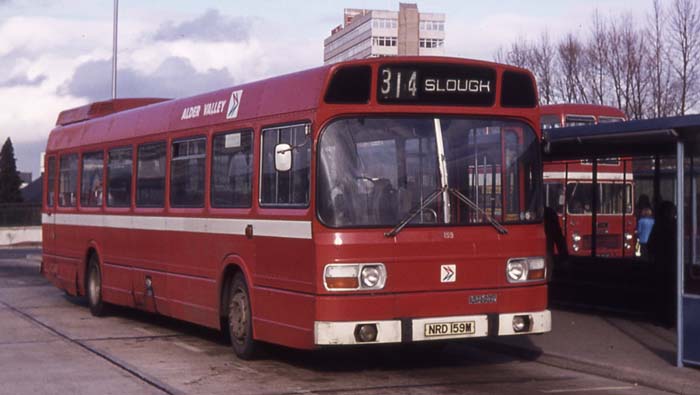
[676, 140]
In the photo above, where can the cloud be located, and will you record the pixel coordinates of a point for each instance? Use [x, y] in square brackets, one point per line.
[211, 26]
[175, 77]
[22, 80]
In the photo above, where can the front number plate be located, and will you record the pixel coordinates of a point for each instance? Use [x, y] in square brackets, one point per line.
[434, 329]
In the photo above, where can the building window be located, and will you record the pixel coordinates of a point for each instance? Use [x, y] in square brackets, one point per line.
[68, 180]
[431, 43]
[150, 177]
[51, 182]
[187, 172]
[232, 170]
[432, 26]
[383, 23]
[384, 41]
[119, 170]
[286, 188]
[91, 180]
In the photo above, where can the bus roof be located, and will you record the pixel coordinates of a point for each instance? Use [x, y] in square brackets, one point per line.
[581, 109]
[122, 119]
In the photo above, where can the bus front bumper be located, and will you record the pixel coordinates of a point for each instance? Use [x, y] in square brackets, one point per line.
[327, 333]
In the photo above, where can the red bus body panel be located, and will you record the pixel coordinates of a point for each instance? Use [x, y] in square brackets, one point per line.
[186, 260]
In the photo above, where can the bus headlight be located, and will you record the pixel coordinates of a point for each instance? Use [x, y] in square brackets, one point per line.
[370, 276]
[520, 270]
[354, 276]
[576, 237]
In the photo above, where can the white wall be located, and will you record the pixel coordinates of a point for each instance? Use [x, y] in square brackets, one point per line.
[10, 236]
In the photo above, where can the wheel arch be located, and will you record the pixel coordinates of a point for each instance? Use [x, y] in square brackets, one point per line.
[231, 265]
[92, 249]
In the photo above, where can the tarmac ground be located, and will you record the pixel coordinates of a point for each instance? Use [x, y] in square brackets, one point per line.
[51, 344]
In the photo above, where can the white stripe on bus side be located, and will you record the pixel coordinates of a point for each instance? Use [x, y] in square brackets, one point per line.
[576, 175]
[261, 227]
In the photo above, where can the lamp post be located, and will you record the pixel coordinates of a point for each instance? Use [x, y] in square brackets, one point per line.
[114, 50]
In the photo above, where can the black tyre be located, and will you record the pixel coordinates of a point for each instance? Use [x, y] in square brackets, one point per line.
[94, 287]
[240, 319]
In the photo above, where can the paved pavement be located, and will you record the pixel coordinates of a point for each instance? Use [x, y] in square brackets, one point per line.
[610, 346]
[49, 343]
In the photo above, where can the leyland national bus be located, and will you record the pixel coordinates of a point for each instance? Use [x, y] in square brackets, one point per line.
[390, 200]
[569, 188]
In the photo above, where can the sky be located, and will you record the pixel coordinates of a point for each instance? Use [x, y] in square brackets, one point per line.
[56, 54]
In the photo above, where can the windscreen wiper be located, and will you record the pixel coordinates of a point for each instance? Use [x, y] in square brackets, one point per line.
[476, 207]
[412, 214]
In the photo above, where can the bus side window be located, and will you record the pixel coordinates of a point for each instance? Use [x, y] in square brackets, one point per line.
[119, 170]
[150, 175]
[187, 172]
[232, 170]
[51, 182]
[91, 180]
[68, 181]
[288, 188]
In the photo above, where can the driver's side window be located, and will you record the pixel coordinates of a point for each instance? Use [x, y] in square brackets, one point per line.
[286, 188]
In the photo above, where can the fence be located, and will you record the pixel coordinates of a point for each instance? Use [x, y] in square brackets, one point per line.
[20, 214]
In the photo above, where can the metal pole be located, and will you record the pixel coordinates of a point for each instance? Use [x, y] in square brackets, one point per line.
[114, 50]
[680, 210]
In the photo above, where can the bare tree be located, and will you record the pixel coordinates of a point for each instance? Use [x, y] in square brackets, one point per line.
[571, 61]
[597, 52]
[635, 74]
[657, 64]
[685, 40]
[542, 59]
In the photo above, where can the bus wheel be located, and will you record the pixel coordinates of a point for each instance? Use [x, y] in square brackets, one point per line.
[94, 287]
[240, 319]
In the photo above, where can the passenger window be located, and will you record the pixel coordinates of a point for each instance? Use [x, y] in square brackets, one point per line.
[119, 170]
[286, 188]
[91, 180]
[150, 178]
[68, 181]
[232, 169]
[187, 173]
[51, 182]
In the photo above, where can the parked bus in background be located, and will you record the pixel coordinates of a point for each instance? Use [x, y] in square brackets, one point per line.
[390, 200]
[569, 188]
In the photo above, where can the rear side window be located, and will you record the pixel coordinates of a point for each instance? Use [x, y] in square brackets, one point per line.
[286, 188]
[68, 181]
[119, 170]
[51, 182]
[150, 178]
[91, 180]
[187, 173]
[232, 170]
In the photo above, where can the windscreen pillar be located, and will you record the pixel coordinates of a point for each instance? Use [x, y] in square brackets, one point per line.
[680, 229]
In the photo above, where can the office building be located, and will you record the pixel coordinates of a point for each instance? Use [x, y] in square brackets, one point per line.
[374, 33]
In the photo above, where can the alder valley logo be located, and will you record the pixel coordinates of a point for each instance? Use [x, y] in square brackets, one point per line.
[448, 273]
[234, 104]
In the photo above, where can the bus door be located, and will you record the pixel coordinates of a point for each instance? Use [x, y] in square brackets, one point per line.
[691, 292]
[48, 221]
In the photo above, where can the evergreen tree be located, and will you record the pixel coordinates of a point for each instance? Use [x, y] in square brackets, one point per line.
[9, 178]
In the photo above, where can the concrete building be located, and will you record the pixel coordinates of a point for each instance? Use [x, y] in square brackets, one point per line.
[374, 33]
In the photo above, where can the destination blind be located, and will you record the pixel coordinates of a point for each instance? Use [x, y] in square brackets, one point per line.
[436, 84]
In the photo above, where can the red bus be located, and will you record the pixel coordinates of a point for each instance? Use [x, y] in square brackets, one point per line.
[569, 188]
[390, 200]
